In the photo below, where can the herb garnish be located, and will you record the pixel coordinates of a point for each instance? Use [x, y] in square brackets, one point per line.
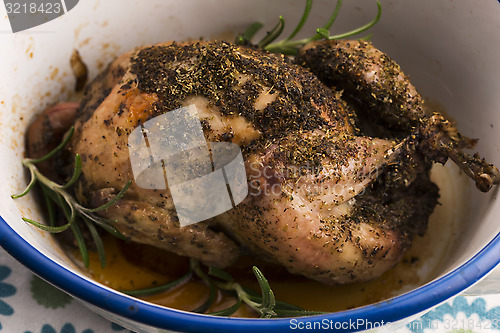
[264, 303]
[291, 47]
[57, 195]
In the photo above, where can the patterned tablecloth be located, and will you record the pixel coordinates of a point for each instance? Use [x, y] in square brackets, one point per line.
[30, 305]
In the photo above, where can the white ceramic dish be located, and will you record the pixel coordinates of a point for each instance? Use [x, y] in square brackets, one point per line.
[449, 48]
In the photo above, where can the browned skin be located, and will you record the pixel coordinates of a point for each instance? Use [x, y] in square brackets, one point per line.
[148, 87]
[375, 84]
[328, 200]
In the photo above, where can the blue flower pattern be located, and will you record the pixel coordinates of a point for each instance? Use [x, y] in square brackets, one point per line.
[67, 328]
[459, 304]
[6, 290]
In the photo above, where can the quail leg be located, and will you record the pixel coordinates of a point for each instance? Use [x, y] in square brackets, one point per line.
[377, 86]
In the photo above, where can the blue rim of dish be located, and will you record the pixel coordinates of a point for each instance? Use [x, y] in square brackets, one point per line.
[390, 310]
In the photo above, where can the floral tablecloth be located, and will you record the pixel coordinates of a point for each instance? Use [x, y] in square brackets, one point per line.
[30, 305]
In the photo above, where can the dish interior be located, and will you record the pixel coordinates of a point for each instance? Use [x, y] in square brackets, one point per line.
[445, 48]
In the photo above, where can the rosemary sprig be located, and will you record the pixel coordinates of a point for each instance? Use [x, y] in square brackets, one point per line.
[57, 195]
[162, 288]
[273, 34]
[264, 303]
[246, 36]
[196, 268]
[291, 47]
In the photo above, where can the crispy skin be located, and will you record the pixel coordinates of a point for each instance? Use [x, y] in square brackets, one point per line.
[344, 205]
[382, 94]
[243, 95]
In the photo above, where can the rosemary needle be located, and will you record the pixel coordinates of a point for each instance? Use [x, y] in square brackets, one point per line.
[264, 303]
[291, 47]
[57, 195]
